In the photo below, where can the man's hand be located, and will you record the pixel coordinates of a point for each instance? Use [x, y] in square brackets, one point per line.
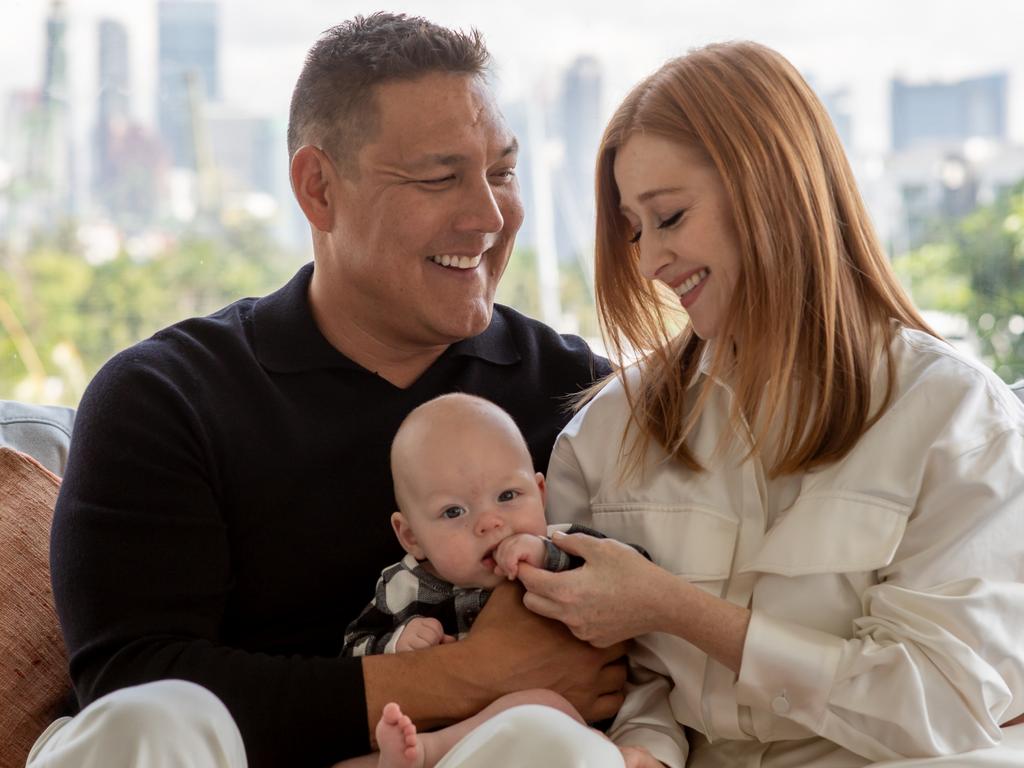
[519, 548]
[510, 648]
[419, 633]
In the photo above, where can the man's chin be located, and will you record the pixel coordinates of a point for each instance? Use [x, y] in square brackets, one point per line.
[472, 322]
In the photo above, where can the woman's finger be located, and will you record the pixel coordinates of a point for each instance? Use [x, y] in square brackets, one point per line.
[539, 581]
[580, 544]
[543, 606]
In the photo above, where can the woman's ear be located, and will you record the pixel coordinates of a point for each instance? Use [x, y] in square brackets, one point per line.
[405, 536]
[312, 174]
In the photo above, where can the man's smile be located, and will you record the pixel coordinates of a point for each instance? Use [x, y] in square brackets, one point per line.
[456, 261]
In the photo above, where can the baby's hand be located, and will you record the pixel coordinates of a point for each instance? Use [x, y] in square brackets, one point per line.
[519, 548]
[422, 633]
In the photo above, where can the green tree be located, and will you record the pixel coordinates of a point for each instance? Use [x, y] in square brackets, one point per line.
[978, 270]
[990, 250]
[61, 317]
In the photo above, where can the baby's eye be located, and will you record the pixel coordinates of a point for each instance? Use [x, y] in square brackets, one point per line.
[507, 495]
[453, 512]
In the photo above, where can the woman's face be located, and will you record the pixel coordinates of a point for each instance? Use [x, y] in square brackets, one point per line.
[681, 219]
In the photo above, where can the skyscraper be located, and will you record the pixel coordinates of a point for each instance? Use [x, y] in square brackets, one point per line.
[56, 114]
[955, 111]
[580, 124]
[188, 59]
[112, 112]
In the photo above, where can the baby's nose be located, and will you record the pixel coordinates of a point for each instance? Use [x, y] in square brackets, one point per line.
[488, 522]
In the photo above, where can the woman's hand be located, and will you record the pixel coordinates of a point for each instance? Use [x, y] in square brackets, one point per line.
[616, 595]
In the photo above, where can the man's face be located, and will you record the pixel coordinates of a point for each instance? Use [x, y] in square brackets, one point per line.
[423, 233]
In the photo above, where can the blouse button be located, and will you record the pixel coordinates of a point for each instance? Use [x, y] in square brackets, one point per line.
[780, 705]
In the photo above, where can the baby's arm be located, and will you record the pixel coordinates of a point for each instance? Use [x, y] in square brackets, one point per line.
[519, 548]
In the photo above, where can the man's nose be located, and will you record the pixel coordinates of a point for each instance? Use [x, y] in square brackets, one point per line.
[480, 211]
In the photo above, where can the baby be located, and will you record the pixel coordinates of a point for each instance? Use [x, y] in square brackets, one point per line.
[471, 509]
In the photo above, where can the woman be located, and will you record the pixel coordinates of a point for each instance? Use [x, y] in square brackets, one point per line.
[833, 496]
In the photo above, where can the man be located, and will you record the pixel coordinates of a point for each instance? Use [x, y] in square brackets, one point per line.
[225, 508]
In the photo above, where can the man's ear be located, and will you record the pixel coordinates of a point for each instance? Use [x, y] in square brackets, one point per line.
[539, 477]
[313, 176]
[405, 536]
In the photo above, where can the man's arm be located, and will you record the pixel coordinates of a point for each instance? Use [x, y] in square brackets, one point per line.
[508, 649]
[145, 570]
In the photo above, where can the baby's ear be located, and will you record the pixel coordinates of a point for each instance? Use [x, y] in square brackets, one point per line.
[539, 477]
[405, 535]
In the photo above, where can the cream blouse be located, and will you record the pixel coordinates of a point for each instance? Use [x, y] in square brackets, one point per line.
[886, 589]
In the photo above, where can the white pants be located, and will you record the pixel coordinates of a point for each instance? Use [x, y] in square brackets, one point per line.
[1009, 754]
[168, 724]
[529, 736]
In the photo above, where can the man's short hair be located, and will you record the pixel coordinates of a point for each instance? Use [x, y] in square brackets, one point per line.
[332, 104]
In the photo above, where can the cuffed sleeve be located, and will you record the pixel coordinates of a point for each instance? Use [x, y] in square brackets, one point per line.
[788, 669]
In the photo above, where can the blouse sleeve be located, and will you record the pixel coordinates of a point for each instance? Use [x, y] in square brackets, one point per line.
[936, 662]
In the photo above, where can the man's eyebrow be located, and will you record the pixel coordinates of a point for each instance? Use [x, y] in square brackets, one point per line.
[457, 159]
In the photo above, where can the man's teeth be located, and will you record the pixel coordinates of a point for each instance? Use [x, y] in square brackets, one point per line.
[692, 282]
[459, 262]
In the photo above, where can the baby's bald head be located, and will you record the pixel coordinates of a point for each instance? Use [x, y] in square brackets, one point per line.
[442, 430]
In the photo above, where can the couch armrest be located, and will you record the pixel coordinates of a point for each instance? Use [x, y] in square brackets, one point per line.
[41, 431]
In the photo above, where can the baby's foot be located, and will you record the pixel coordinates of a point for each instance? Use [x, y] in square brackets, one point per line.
[397, 740]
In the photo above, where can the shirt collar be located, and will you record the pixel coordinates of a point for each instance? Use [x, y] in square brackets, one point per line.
[287, 339]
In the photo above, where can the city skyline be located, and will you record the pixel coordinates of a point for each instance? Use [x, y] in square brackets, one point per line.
[859, 49]
[133, 190]
[206, 151]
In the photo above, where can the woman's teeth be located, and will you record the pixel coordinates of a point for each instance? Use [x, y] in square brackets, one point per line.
[692, 282]
[458, 262]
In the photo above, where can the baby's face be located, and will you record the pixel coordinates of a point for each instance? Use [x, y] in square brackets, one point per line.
[467, 492]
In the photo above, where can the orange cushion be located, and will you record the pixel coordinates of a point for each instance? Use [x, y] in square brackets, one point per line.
[33, 663]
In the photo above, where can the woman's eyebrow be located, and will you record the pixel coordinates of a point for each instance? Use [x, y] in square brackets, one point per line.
[643, 197]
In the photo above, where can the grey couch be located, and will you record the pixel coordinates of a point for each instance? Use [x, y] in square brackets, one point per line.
[44, 431]
[41, 431]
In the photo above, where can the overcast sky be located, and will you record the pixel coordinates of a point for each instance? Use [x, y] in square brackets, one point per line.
[859, 45]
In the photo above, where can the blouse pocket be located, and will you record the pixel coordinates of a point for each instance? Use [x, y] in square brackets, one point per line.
[690, 541]
[831, 533]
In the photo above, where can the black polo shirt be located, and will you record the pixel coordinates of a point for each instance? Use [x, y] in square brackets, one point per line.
[225, 511]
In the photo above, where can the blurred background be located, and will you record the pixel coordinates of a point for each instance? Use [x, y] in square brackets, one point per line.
[143, 169]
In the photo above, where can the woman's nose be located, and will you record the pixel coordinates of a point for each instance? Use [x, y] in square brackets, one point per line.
[653, 256]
